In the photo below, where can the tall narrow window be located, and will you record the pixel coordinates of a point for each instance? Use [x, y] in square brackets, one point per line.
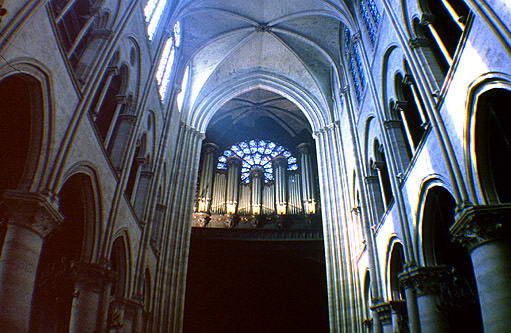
[371, 16]
[74, 20]
[354, 64]
[152, 12]
[182, 92]
[164, 71]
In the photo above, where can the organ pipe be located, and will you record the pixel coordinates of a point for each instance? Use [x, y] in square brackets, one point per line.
[257, 182]
[280, 164]
[233, 178]
[206, 177]
[308, 190]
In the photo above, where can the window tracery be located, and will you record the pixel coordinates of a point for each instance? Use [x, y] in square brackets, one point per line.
[164, 71]
[153, 11]
[371, 16]
[257, 154]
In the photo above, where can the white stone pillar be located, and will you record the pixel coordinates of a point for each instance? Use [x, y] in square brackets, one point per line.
[280, 166]
[257, 190]
[429, 281]
[206, 177]
[486, 233]
[308, 186]
[233, 181]
[30, 218]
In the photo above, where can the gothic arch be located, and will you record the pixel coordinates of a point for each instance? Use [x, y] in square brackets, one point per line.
[482, 182]
[120, 262]
[93, 202]
[28, 92]
[395, 260]
[203, 111]
[421, 234]
[69, 245]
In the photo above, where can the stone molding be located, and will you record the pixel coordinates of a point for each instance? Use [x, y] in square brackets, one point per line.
[33, 211]
[92, 276]
[476, 225]
[427, 280]
[384, 312]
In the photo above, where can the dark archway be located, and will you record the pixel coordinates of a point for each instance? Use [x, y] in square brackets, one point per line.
[459, 299]
[493, 144]
[55, 286]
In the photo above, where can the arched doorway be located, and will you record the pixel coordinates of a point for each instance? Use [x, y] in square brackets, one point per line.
[459, 303]
[55, 285]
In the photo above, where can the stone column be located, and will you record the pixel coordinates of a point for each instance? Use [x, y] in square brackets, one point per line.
[428, 282]
[398, 315]
[233, 180]
[206, 177]
[90, 281]
[308, 190]
[111, 72]
[384, 313]
[280, 166]
[156, 229]
[375, 196]
[398, 143]
[30, 218]
[142, 191]
[486, 232]
[119, 139]
[257, 190]
[411, 305]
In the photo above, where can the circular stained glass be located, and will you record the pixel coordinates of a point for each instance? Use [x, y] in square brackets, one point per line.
[257, 154]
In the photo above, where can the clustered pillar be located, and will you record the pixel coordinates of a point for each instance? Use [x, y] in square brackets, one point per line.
[308, 190]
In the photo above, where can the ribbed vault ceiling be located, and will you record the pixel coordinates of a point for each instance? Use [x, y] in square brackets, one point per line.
[294, 40]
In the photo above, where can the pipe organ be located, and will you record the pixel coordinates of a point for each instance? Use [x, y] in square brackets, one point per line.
[254, 179]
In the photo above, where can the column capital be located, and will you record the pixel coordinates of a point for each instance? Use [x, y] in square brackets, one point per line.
[92, 276]
[33, 211]
[279, 161]
[408, 79]
[256, 172]
[418, 42]
[427, 18]
[129, 117]
[392, 124]
[304, 148]
[476, 225]
[209, 147]
[102, 33]
[427, 280]
[384, 312]
[371, 180]
[112, 70]
[234, 161]
[399, 106]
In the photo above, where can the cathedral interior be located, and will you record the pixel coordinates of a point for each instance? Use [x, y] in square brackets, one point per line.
[255, 166]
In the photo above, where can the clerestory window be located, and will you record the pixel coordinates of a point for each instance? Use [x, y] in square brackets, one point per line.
[153, 11]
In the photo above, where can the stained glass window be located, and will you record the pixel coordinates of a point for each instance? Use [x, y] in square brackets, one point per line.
[152, 12]
[164, 71]
[354, 64]
[371, 16]
[257, 154]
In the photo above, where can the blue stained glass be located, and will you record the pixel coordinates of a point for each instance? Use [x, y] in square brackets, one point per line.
[256, 154]
[293, 167]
